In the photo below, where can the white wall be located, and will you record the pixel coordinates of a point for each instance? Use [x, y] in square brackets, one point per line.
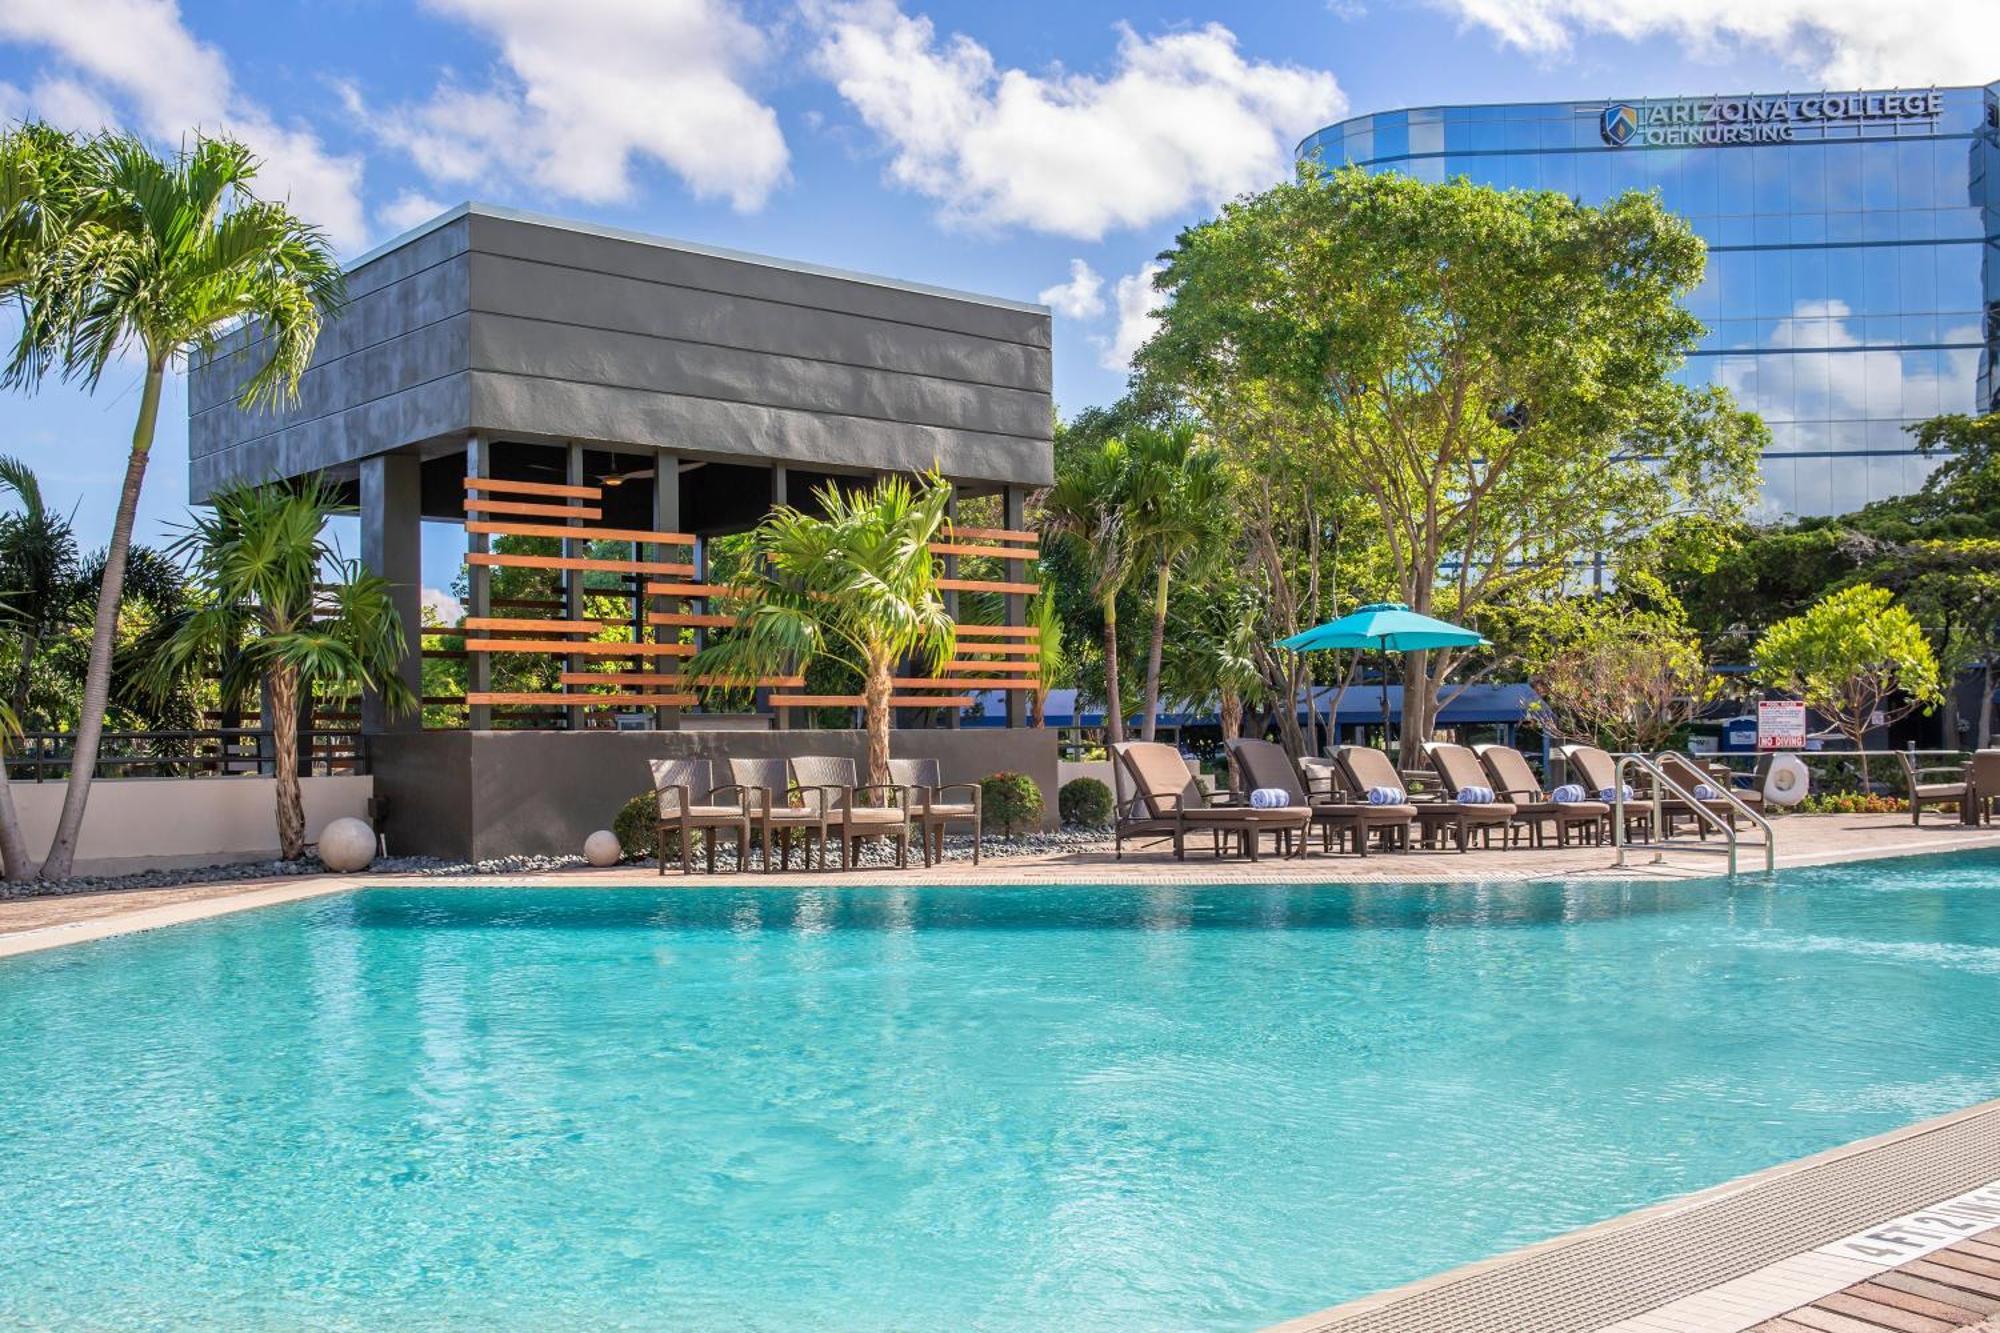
[134, 824]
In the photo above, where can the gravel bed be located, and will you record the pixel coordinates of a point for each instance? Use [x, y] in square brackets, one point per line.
[874, 854]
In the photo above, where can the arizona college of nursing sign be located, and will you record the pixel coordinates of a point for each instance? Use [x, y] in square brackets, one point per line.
[1686, 122]
[1781, 724]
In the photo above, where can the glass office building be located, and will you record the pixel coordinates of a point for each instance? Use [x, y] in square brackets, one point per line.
[1853, 278]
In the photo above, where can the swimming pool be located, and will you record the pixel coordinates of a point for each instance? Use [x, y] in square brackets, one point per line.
[1003, 1108]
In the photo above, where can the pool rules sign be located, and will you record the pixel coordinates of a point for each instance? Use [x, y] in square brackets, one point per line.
[1781, 724]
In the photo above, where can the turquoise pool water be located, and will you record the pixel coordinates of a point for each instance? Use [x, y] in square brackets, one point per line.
[999, 1108]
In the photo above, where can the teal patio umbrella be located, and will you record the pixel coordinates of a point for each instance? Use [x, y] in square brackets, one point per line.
[1385, 627]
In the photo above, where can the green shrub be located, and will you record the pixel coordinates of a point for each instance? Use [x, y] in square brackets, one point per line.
[1085, 802]
[638, 827]
[1011, 802]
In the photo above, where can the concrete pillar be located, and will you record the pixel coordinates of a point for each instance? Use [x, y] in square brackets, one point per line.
[666, 518]
[952, 715]
[392, 547]
[479, 584]
[760, 700]
[1016, 511]
[573, 581]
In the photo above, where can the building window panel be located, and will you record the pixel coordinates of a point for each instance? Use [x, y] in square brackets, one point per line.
[1878, 176]
[1810, 386]
[1733, 182]
[1843, 178]
[1593, 177]
[1772, 270]
[1915, 176]
[1880, 271]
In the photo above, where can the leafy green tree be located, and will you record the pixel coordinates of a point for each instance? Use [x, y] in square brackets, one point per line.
[1491, 370]
[1853, 656]
[169, 256]
[1177, 497]
[279, 606]
[1085, 511]
[859, 584]
[1610, 674]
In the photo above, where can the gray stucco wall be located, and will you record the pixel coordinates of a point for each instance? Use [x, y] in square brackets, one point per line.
[518, 327]
[480, 794]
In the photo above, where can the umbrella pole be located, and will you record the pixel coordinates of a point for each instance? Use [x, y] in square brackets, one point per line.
[1383, 665]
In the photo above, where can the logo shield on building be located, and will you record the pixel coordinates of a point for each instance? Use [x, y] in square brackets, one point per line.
[1618, 124]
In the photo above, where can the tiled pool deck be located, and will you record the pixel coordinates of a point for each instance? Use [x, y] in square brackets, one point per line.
[1785, 1250]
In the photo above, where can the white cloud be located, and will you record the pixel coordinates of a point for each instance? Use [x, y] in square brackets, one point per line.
[1082, 297]
[440, 607]
[588, 89]
[1136, 300]
[138, 53]
[1845, 43]
[1181, 119]
[409, 209]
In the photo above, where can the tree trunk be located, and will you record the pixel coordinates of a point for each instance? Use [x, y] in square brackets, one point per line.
[1232, 715]
[285, 743]
[13, 846]
[1114, 710]
[1149, 719]
[17, 698]
[103, 637]
[1986, 703]
[1416, 708]
[875, 692]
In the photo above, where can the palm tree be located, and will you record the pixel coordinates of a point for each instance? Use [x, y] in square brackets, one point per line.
[41, 573]
[40, 172]
[1086, 509]
[858, 585]
[270, 613]
[1215, 659]
[166, 256]
[1050, 656]
[1178, 516]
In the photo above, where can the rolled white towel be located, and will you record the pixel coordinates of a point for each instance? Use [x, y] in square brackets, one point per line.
[1475, 796]
[1270, 798]
[1385, 796]
[1704, 792]
[1567, 794]
[1613, 793]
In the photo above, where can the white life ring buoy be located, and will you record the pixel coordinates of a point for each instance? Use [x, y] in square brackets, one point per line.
[1786, 780]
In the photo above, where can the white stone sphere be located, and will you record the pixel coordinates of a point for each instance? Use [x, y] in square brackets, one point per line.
[601, 848]
[347, 845]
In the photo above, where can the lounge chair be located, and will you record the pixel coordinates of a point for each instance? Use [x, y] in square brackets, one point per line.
[1923, 793]
[1686, 773]
[1367, 768]
[1982, 781]
[689, 802]
[769, 799]
[925, 779]
[1459, 769]
[1594, 768]
[1262, 763]
[1168, 804]
[838, 784]
[1513, 780]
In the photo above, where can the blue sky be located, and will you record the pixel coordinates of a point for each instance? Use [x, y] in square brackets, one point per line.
[1032, 149]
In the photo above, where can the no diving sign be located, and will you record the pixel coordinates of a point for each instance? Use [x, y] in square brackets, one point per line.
[1781, 724]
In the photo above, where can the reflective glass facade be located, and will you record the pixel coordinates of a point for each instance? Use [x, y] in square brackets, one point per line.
[1854, 250]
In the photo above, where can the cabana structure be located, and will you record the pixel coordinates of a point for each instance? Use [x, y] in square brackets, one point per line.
[598, 409]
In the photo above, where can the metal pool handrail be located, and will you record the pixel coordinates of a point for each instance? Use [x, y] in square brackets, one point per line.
[1661, 781]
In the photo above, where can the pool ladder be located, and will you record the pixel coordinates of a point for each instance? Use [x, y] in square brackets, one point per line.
[1661, 783]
